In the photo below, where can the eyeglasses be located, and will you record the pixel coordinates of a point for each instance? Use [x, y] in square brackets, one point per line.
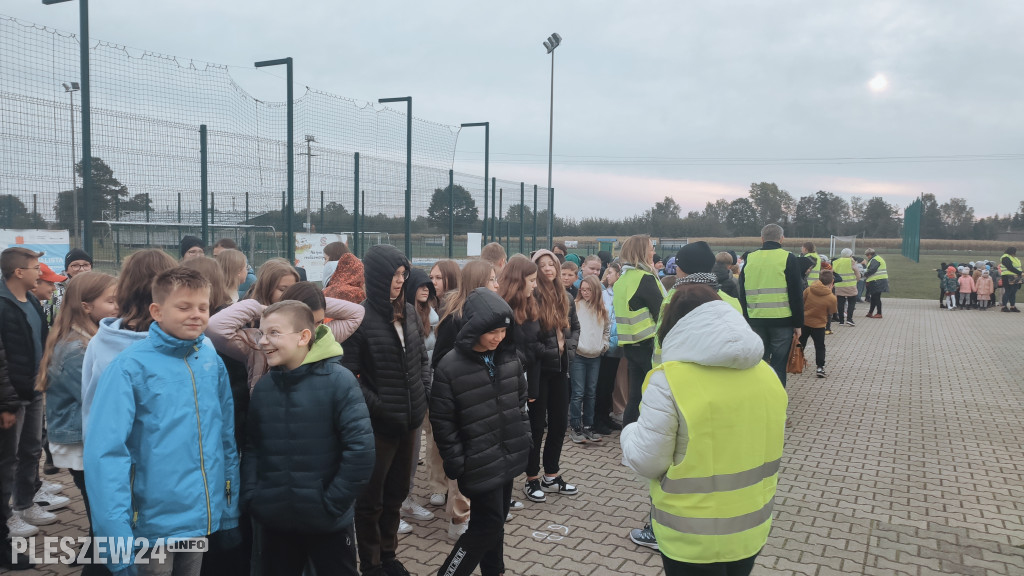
[85, 266]
[36, 268]
[273, 335]
[403, 275]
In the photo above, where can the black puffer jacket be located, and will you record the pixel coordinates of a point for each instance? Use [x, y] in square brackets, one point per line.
[480, 423]
[9, 401]
[309, 444]
[19, 345]
[447, 333]
[395, 380]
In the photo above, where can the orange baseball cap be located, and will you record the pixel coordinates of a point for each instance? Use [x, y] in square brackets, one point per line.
[49, 275]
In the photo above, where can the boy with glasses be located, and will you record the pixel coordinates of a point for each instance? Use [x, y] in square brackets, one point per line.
[76, 261]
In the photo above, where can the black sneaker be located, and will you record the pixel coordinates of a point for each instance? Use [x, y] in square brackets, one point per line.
[821, 372]
[534, 492]
[602, 429]
[644, 537]
[850, 323]
[590, 435]
[558, 486]
[392, 567]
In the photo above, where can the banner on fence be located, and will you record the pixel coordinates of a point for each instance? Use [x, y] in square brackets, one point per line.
[474, 242]
[309, 253]
[54, 243]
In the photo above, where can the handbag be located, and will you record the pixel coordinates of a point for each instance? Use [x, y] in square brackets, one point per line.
[796, 362]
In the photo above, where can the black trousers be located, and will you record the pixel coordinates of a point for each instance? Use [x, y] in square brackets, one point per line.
[735, 568]
[78, 477]
[378, 510]
[1009, 292]
[550, 410]
[876, 302]
[605, 387]
[287, 553]
[639, 357]
[483, 542]
[849, 302]
[818, 335]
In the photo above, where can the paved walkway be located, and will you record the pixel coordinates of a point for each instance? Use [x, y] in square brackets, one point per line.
[907, 459]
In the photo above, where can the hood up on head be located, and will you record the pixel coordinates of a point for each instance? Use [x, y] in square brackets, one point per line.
[379, 265]
[713, 334]
[416, 279]
[484, 311]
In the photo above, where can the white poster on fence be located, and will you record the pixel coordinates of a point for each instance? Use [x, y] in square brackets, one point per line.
[54, 243]
[474, 241]
[309, 253]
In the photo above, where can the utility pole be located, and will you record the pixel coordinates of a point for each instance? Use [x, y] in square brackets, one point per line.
[309, 176]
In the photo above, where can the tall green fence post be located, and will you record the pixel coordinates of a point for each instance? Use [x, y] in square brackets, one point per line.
[522, 216]
[204, 189]
[534, 245]
[355, 205]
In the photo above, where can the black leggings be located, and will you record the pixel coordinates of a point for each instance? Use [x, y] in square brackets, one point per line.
[876, 302]
[818, 336]
[1009, 292]
[849, 302]
[605, 388]
[734, 568]
[550, 409]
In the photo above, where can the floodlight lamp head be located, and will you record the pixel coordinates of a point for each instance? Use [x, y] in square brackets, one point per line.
[310, 138]
[556, 38]
[72, 87]
[548, 46]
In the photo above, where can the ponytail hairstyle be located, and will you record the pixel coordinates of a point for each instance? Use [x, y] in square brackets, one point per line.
[512, 288]
[474, 275]
[135, 286]
[73, 322]
[596, 302]
[552, 300]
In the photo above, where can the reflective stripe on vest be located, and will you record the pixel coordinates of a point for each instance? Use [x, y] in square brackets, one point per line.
[815, 271]
[632, 325]
[716, 504]
[844, 267]
[1013, 260]
[881, 273]
[764, 280]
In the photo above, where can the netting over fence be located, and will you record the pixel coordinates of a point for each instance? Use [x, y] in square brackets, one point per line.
[146, 111]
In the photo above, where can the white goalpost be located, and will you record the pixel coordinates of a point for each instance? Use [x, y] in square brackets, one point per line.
[837, 243]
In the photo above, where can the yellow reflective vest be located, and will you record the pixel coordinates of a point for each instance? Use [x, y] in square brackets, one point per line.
[815, 271]
[764, 282]
[844, 267]
[715, 505]
[632, 325]
[881, 273]
[1013, 260]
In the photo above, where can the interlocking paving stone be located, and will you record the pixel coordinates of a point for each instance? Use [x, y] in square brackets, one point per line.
[905, 460]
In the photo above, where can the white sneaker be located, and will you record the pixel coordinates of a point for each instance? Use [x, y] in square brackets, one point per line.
[36, 516]
[509, 517]
[51, 487]
[404, 527]
[515, 505]
[438, 499]
[49, 501]
[19, 528]
[414, 510]
[456, 530]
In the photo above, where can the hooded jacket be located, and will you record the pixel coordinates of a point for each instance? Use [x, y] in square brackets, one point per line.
[479, 419]
[347, 281]
[713, 334]
[309, 444]
[984, 286]
[393, 371]
[163, 464]
[9, 401]
[417, 279]
[108, 342]
[819, 305]
[20, 346]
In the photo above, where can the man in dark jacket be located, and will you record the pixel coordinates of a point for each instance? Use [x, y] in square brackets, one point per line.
[309, 447]
[388, 356]
[23, 332]
[477, 410]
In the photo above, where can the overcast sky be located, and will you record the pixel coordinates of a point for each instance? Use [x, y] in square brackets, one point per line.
[692, 100]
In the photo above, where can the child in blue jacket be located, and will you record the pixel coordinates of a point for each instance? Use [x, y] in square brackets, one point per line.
[160, 455]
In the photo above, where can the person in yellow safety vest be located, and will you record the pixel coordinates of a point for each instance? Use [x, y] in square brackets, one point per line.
[846, 290]
[877, 278]
[695, 263]
[710, 438]
[772, 297]
[1011, 277]
[812, 261]
[637, 302]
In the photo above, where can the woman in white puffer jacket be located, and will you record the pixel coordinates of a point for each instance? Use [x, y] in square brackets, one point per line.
[709, 437]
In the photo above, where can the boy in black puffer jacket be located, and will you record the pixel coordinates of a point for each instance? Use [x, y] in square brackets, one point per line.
[478, 413]
[309, 447]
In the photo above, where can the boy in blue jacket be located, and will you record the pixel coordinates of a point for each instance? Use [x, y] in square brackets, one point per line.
[309, 448]
[160, 456]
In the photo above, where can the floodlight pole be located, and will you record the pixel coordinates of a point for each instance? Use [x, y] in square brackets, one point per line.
[71, 89]
[289, 226]
[83, 34]
[551, 43]
[408, 169]
[309, 176]
[487, 164]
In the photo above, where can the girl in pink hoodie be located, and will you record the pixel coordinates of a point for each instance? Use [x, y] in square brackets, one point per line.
[966, 288]
[985, 289]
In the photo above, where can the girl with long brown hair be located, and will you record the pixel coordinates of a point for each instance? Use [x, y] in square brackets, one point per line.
[595, 334]
[445, 276]
[274, 277]
[88, 298]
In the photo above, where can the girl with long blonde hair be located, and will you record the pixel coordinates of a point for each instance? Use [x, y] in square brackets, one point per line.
[595, 334]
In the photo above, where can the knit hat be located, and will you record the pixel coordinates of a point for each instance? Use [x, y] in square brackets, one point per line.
[735, 259]
[76, 254]
[189, 242]
[49, 275]
[984, 272]
[574, 259]
[846, 253]
[695, 257]
[542, 252]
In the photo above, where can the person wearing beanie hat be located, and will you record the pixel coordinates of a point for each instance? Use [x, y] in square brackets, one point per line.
[695, 257]
[192, 247]
[75, 262]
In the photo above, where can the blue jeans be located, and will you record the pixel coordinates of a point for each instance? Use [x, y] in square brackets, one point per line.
[584, 390]
[776, 347]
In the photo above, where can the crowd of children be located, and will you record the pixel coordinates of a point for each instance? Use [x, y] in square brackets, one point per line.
[973, 286]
